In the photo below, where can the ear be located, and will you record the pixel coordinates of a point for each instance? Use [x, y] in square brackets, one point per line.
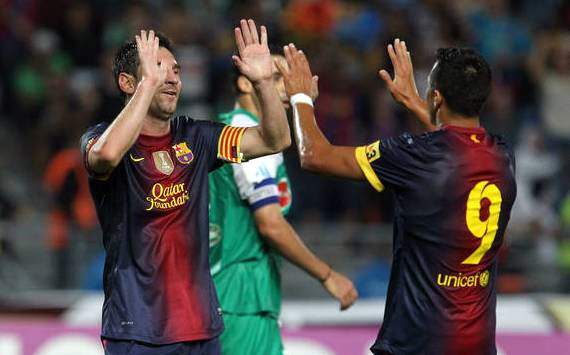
[127, 83]
[437, 100]
[244, 85]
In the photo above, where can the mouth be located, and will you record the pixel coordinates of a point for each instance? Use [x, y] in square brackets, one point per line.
[172, 94]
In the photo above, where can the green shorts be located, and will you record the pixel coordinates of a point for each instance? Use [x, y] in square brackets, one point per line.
[251, 334]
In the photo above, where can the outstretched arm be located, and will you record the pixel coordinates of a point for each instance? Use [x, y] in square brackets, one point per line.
[315, 152]
[254, 61]
[118, 138]
[279, 234]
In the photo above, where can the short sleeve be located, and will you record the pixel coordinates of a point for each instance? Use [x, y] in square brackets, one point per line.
[390, 161]
[256, 180]
[222, 141]
[86, 143]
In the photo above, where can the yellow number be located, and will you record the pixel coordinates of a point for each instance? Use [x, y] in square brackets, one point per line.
[487, 229]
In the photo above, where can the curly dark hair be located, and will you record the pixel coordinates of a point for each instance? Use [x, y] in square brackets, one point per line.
[463, 77]
[127, 59]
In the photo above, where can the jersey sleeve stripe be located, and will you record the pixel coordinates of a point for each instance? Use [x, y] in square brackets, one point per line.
[238, 142]
[364, 164]
[232, 138]
[229, 144]
[264, 202]
[221, 140]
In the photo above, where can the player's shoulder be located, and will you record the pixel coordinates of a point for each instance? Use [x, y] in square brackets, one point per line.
[181, 122]
[188, 125]
[97, 128]
[501, 142]
[91, 134]
[409, 141]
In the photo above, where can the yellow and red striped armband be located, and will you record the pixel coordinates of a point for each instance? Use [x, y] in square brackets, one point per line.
[229, 144]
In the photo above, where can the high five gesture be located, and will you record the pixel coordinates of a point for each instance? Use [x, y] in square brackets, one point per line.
[403, 86]
[147, 48]
[254, 60]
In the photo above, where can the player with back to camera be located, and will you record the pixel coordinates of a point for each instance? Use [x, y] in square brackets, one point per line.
[149, 180]
[249, 234]
[454, 188]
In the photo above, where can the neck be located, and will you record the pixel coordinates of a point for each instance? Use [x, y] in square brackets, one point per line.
[155, 127]
[247, 103]
[447, 117]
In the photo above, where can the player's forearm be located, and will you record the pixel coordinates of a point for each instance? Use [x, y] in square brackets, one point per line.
[283, 238]
[274, 128]
[118, 138]
[310, 140]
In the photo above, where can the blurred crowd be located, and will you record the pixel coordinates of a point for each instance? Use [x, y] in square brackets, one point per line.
[55, 81]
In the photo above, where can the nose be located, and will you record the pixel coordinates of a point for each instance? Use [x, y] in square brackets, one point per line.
[172, 78]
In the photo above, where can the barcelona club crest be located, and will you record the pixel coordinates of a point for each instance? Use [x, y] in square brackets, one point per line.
[183, 153]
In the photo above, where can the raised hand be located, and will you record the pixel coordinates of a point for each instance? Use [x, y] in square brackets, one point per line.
[297, 76]
[147, 48]
[254, 60]
[403, 86]
[341, 288]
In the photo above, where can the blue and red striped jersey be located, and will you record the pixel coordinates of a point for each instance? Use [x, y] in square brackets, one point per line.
[153, 211]
[454, 189]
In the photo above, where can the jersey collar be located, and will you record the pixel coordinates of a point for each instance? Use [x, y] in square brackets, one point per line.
[467, 130]
[147, 141]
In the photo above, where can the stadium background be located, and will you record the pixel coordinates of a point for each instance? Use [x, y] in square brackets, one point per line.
[55, 81]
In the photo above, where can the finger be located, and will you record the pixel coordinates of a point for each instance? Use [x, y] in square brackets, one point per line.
[151, 37]
[138, 41]
[409, 58]
[393, 58]
[398, 50]
[294, 55]
[386, 77]
[238, 62]
[303, 60]
[403, 56]
[253, 31]
[143, 38]
[156, 44]
[245, 32]
[316, 79]
[288, 54]
[404, 49]
[264, 35]
[239, 40]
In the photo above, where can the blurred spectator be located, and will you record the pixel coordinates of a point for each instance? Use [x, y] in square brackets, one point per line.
[71, 210]
[550, 66]
[534, 210]
[499, 36]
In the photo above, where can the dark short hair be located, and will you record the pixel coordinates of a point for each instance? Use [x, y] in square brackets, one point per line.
[127, 59]
[463, 77]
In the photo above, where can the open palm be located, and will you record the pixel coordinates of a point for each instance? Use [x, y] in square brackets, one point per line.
[403, 86]
[254, 59]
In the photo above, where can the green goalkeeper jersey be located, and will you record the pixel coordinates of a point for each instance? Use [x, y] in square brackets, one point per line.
[244, 267]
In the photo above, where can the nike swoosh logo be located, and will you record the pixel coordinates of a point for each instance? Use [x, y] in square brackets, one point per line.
[136, 160]
[474, 138]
